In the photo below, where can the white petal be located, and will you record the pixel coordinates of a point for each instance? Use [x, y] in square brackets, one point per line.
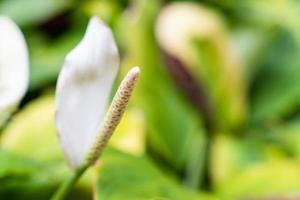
[83, 89]
[14, 67]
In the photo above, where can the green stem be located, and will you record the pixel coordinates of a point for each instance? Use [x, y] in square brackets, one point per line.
[66, 186]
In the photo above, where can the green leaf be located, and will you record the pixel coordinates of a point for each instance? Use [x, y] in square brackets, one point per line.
[287, 137]
[171, 122]
[36, 167]
[255, 167]
[47, 57]
[22, 178]
[32, 132]
[122, 176]
[231, 155]
[222, 74]
[276, 94]
[275, 178]
[31, 12]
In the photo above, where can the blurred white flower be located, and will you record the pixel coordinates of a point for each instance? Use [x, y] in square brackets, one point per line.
[83, 89]
[14, 67]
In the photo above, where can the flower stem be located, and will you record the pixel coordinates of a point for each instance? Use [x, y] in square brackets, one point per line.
[66, 186]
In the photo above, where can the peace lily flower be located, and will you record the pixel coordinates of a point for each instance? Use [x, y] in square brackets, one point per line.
[14, 67]
[82, 93]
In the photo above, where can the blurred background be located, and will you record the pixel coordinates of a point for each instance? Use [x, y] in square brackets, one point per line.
[215, 114]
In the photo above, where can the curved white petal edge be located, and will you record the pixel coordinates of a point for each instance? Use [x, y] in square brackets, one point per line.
[14, 67]
[83, 89]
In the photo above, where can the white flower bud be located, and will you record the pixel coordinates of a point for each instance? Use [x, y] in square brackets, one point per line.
[83, 89]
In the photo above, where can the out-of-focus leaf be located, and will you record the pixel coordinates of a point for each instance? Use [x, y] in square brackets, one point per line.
[263, 12]
[282, 13]
[130, 134]
[257, 165]
[32, 132]
[287, 135]
[125, 177]
[109, 11]
[253, 167]
[275, 178]
[275, 93]
[224, 78]
[171, 122]
[23, 178]
[39, 167]
[48, 57]
[31, 12]
[231, 155]
[251, 44]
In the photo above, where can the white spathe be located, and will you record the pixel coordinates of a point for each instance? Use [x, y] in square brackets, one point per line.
[14, 67]
[83, 89]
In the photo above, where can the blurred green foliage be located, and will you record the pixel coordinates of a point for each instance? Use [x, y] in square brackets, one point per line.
[243, 143]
